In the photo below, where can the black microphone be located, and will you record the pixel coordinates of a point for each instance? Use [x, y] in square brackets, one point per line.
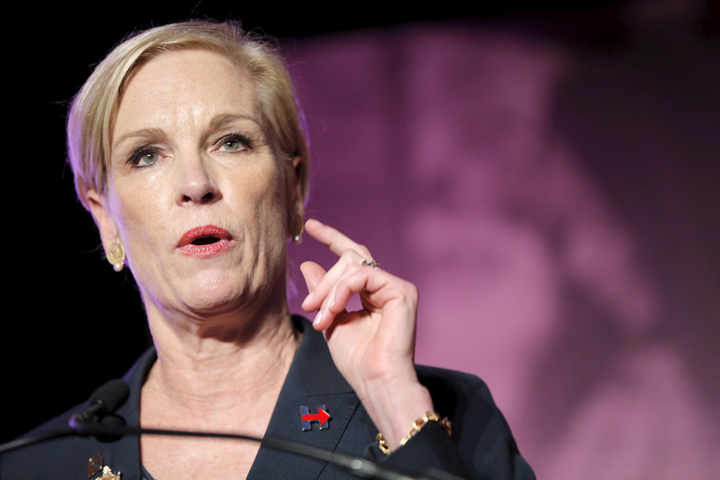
[103, 401]
[114, 426]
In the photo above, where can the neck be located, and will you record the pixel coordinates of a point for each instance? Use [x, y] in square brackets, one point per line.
[214, 362]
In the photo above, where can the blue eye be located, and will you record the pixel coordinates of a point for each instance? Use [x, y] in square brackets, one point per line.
[148, 159]
[144, 157]
[234, 143]
[231, 146]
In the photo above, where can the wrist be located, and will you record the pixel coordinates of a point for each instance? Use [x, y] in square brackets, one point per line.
[395, 406]
[429, 417]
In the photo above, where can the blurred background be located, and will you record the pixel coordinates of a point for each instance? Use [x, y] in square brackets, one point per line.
[548, 178]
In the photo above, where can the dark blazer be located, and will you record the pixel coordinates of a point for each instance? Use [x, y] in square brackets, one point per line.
[481, 445]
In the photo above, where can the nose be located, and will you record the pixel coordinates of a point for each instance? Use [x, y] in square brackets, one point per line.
[197, 183]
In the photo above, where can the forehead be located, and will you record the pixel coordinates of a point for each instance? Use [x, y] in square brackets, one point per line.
[184, 86]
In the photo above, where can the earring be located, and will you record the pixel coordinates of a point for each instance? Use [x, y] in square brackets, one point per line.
[116, 255]
[297, 238]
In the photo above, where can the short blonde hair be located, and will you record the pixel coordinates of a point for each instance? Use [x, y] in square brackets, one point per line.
[93, 111]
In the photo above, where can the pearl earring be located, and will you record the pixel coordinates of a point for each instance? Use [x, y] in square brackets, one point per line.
[116, 255]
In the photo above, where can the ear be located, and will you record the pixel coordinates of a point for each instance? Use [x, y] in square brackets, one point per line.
[102, 216]
[295, 197]
[296, 185]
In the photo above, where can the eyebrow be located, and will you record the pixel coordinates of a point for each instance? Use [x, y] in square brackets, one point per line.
[142, 133]
[217, 122]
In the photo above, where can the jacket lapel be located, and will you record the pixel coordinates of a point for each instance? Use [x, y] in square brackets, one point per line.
[124, 455]
[312, 381]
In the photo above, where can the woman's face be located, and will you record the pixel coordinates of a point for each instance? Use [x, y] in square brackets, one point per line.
[194, 193]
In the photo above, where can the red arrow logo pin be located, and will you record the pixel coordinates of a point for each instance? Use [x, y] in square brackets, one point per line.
[322, 416]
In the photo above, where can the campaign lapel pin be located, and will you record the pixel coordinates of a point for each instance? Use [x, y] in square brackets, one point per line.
[98, 471]
[95, 464]
[307, 418]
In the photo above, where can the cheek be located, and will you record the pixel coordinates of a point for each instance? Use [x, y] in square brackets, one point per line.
[142, 218]
[271, 197]
[271, 217]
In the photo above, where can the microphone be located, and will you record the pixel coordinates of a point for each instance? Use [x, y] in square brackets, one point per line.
[103, 401]
[114, 426]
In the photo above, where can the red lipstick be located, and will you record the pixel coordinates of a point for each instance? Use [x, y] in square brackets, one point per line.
[206, 241]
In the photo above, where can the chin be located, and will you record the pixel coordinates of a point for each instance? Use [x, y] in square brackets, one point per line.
[223, 294]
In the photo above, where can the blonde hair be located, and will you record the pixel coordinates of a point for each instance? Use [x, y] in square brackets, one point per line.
[94, 109]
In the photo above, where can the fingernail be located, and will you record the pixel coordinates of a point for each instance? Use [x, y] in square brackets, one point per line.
[317, 318]
[307, 299]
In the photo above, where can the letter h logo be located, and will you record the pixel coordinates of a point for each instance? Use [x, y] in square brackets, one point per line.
[321, 417]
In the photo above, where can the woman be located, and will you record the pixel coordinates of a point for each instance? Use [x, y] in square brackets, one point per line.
[187, 149]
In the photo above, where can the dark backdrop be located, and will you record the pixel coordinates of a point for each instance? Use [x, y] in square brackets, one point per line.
[78, 323]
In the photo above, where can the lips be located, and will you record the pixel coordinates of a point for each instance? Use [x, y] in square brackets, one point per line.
[206, 241]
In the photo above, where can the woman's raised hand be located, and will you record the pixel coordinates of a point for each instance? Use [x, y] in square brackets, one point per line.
[374, 347]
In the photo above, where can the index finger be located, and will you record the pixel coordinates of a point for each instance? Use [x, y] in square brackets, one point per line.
[334, 240]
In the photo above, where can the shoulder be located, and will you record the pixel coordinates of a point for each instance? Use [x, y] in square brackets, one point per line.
[67, 456]
[454, 393]
[443, 379]
[479, 430]
[64, 456]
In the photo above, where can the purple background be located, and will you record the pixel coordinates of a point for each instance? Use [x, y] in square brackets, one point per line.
[549, 182]
[558, 210]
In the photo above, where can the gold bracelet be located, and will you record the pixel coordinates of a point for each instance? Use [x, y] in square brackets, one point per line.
[382, 444]
[417, 426]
